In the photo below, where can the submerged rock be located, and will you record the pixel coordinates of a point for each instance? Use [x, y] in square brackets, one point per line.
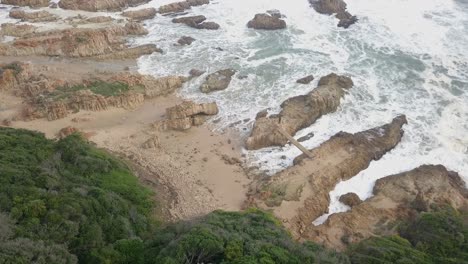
[217, 81]
[181, 6]
[196, 22]
[185, 40]
[267, 22]
[337, 7]
[196, 73]
[299, 112]
[306, 80]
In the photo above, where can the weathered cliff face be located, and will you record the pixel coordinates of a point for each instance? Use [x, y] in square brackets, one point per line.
[181, 6]
[184, 116]
[299, 112]
[337, 7]
[30, 3]
[300, 194]
[99, 5]
[100, 43]
[39, 16]
[396, 198]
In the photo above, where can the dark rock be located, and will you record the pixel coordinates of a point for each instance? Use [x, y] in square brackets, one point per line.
[196, 22]
[185, 40]
[217, 81]
[306, 80]
[337, 7]
[196, 73]
[306, 137]
[267, 22]
[350, 199]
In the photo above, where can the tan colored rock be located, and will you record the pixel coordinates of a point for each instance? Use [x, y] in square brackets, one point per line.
[396, 198]
[187, 114]
[196, 22]
[99, 5]
[299, 112]
[163, 86]
[99, 19]
[152, 143]
[39, 16]
[300, 194]
[181, 6]
[350, 199]
[267, 22]
[139, 15]
[217, 81]
[17, 30]
[30, 3]
[337, 7]
[67, 131]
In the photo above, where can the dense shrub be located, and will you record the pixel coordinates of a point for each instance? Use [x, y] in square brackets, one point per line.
[68, 194]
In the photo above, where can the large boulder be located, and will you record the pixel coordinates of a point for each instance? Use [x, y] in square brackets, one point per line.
[197, 22]
[139, 15]
[181, 6]
[267, 22]
[396, 198]
[217, 81]
[350, 199]
[306, 80]
[337, 7]
[39, 16]
[99, 5]
[185, 40]
[299, 112]
[188, 114]
[30, 3]
[300, 194]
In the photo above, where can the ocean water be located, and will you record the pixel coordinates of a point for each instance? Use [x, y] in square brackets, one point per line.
[405, 57]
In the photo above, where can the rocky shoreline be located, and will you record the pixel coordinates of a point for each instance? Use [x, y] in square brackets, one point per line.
[139, 118]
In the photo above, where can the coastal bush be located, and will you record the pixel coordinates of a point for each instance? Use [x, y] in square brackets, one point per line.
[68, 197]
[252, 236]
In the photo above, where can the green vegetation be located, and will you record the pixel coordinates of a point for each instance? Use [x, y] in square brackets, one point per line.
[436, 237]
[68, 202]
[225, 237]
[97, 87]
[69, 196]
[15, 66]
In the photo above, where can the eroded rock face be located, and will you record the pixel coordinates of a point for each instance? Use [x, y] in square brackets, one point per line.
[396, 198]
[181, 6]
[300, 194]
[99, 5]
[139, 15]
[196, 22]
[337, 7]
[217, 81]
[188, 114]
[39, 16]
[30, 3]
[267, 22]
[299, 112]
[100, 43]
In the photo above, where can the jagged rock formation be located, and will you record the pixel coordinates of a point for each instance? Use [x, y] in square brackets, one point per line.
[299, 112]
[217, 81]
[337, 7]
[15, 30]
[196, 22]
[350, 199]
[99, 5]
[139, 15]
[300, 194]
[100, 43]
[30, 3]
[184, 116]
[267, 21]
[39, 16]
[396, 198]
[306, 80]
[185, 40]
[181, 6]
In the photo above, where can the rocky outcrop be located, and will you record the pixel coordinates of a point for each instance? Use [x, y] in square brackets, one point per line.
[299, 112]
[99, 19]
[181, 6]
[300, 194]
[139, 15]
[185, 40]
[396, 198]
[196, 22]
[99, 5]
[350, 199]
[337, 7]
[30, 3]
[217, 81]
[39, 16]
[184, 116]
[100, 43]
[17, 30]
[306, 80]
[267, 22]
[196, 73]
